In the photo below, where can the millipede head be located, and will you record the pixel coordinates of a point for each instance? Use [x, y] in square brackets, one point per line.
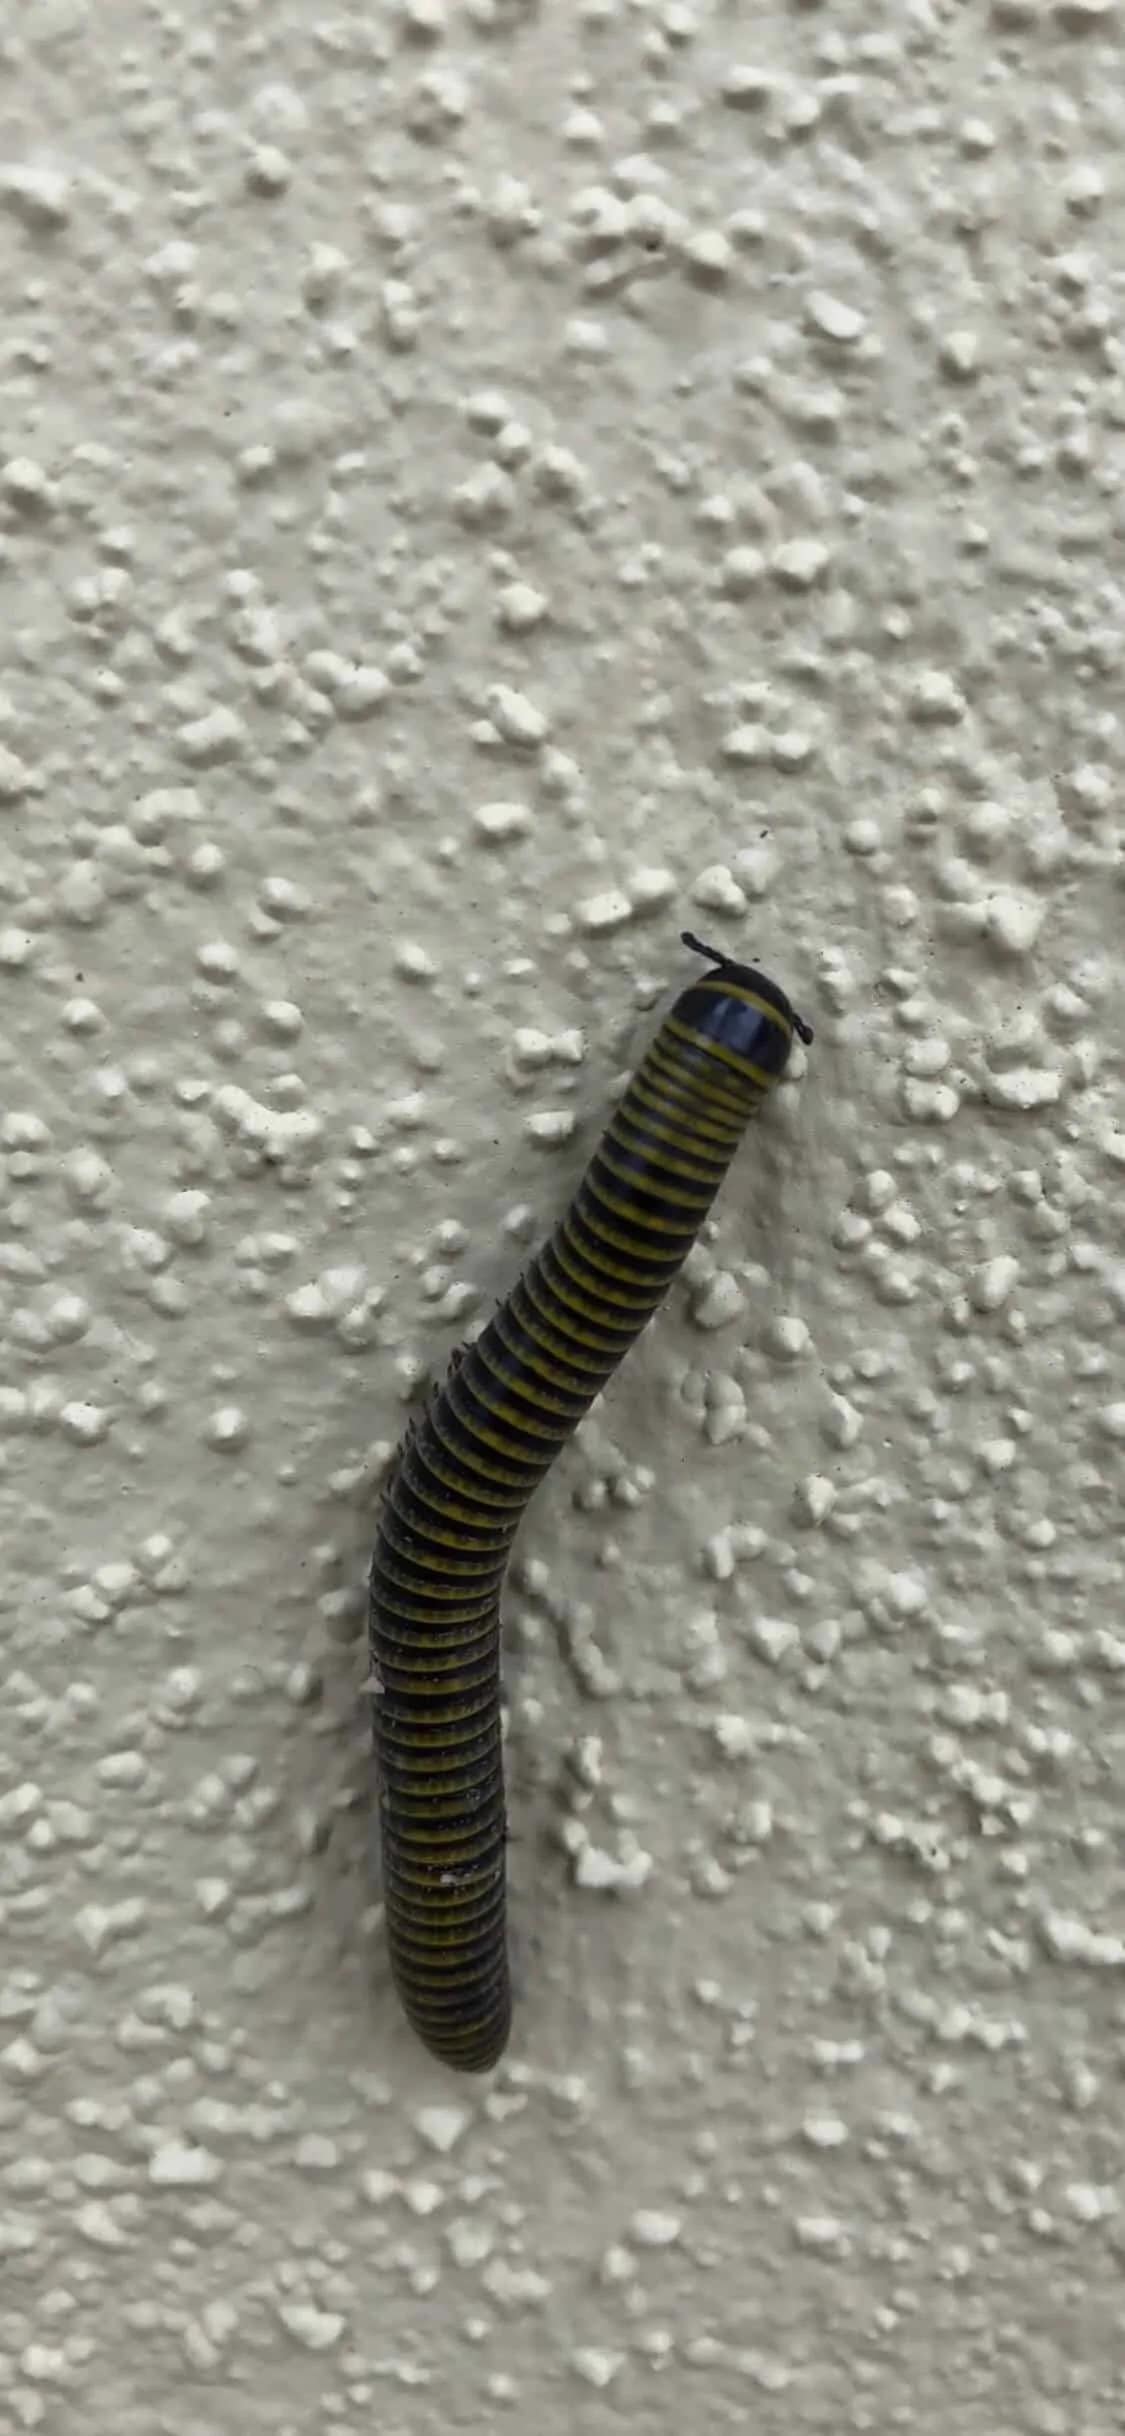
[751, 978]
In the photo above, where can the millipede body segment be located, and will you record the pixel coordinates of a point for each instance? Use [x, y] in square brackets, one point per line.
[466, 1470]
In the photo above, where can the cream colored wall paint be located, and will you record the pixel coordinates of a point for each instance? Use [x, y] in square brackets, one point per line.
[700, 432]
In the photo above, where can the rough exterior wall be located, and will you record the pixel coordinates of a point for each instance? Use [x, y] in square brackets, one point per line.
[483, 485]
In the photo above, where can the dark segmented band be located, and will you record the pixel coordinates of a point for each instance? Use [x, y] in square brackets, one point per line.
[466, 1470]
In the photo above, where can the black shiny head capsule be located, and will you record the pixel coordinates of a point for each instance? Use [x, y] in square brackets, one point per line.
[741, 1009]
[747, 977]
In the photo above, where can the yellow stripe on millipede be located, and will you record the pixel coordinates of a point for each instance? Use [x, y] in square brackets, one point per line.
[693, 1083]
[499, 1533]
[567, 1312]
[385, 1608]
[565, 1321]
[727, 1057]
[552, 1369]
[637, 1306]
[747, 998]
[562, 1351]
[702, 1119]
[514, 1421]
[516, 1387]
[503, 1479]
[447, 1565]
[632, 1216]
[421, 1591]
[644, 1137]
[697, 1202]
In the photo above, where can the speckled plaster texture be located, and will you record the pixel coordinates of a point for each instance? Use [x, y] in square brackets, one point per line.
[480, 486]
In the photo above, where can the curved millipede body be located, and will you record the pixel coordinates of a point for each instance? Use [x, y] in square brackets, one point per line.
[467, 1468]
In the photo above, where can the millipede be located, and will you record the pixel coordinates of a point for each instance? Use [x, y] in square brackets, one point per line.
[466, 1467]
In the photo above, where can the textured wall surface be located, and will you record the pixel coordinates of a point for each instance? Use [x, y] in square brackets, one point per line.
[481, 485]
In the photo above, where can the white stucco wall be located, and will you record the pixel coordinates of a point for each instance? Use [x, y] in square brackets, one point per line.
[700, 430]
